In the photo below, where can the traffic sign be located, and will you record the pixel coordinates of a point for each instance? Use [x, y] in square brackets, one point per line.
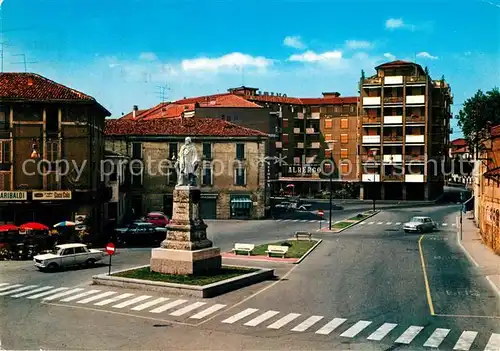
[321, 213]
[110, 249]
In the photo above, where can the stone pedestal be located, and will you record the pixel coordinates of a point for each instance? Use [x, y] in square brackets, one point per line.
[186, 250]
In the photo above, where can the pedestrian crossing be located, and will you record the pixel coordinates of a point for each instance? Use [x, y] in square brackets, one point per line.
[378, 223]
[197, 311]
[298, 220]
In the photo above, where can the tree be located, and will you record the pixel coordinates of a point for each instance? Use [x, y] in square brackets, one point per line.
[478, 114]
[362, 75]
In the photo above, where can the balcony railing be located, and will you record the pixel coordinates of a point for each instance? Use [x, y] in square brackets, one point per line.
[314, 145]
[393, 177]
[415, 99]
[415, 158]
[370, 158]
[393, 100]
[314, 115]
[373, 81]
[300, 145]
[279, 144]
[393, 119]
[414, 178]
[393, 138]
[371, 139]
[393, 158]
[410, 138]
[311, 131]
[415, 119]
[416, 79]
[371, 120]
[371, 100]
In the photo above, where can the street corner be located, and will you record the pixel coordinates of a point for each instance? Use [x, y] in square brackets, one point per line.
[339, 226]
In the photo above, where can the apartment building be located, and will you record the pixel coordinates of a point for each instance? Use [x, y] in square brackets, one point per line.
[404, 132]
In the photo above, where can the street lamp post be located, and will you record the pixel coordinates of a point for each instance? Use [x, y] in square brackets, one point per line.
[331, 192]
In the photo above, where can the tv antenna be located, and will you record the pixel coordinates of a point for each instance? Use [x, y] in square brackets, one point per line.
[162, 94]
[24, 62]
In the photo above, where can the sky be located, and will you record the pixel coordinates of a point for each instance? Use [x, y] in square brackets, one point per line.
[136, 52]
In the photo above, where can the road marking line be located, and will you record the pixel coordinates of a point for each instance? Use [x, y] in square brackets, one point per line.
[371, 223]
[330, 326]
[46, 293]
[303, 221]
[309, 322]
[2, 284]
[388, 223]
[284, 321]
[168, 306]
[32, 291]
[437, 337]
[208, 311]
[409, 334]
[362, 223]
[131, 302]
[445, 224]
[426, 280]
[113, 299]
[493, 343]
[312, 221]
[77, 296]
[295, 220]
[355, 329]
[187, 309]
[262, 318]
[240, 315]
[97, 297]
[382, 331]
[150, 303]
[380, 223]
[10, 287]
[398, 223]
[465, 341]
[61, 294]
[27, 287]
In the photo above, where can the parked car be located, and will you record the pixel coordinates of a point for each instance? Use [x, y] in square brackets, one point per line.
[140, 224]
[67, 255]
[140, 234]
[158, 219]
[420, 224]
[293, 206]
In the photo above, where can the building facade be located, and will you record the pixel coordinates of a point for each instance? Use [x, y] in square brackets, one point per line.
[231, 169]
[404, 133]
[51, 142]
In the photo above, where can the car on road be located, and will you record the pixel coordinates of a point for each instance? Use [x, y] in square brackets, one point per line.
[135, 226]
[67, 255]
[293, 206]
[140, 234]
[420, 224]
[158, 219]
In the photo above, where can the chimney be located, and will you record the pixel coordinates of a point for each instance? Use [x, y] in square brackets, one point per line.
[134, 111]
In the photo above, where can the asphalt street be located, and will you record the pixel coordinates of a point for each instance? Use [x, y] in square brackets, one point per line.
[370, 287]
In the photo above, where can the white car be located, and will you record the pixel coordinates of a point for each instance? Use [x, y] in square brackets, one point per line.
[420, 224]
[67, 255]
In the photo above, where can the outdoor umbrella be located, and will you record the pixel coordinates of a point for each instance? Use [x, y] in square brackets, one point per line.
[65, 224]
[33, 226]
[8, 227]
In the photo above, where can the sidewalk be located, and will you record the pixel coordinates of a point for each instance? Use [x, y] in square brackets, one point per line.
[478, 253]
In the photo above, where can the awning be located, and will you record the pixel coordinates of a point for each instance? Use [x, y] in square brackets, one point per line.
[241, 202]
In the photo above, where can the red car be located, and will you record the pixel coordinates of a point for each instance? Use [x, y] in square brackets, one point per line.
[158, 219]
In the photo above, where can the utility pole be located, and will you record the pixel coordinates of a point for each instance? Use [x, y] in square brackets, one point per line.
[24, 62]
[331, 191]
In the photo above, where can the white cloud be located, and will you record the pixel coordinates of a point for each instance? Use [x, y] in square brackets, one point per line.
[311, 56]
[294, 42]
[426, 55]
[148, 56]
[389, 56]
[358, 44]
[393, 23]
[235, 59]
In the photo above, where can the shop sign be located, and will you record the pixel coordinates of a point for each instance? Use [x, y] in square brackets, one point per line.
[51, 195]
[13, 195]
[301, 170]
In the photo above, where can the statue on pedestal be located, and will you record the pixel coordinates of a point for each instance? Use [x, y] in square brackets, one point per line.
[187, 164]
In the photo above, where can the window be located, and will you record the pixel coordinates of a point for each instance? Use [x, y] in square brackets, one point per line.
[345, 109]
[285, 123]
[336, 109]
[136, 150]
[344, 138]
[328, 137]
[172, 151]
[353, 109]
[344, 123]
[68, 252]
[328, 153]
[285, 138]
[4, 117]
[5, 151]
[328, 123]
[52, 120]
[343, 153]
[240, 176]
[207, 151]
[79, 250]
[345, 169]
[207, 175]
[240, 151]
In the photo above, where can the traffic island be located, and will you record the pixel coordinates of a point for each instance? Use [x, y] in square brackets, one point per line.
[342, 225]
[227, 278]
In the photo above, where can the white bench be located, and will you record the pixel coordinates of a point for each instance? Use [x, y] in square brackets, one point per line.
[248, 248]
[278, 250]
[298, 235]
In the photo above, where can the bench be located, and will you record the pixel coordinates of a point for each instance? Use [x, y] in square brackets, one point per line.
[278, 250]
[299, 235]
[248, 248]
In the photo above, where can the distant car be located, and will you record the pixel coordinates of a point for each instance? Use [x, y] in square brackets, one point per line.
[420, 224]
[140, 234]
[158, 219]
[68, 255]
[139, 224]
[293, 206]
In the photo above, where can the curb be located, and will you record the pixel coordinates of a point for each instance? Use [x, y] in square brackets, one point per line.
[309, 251]
[350, 225]
[493, 285]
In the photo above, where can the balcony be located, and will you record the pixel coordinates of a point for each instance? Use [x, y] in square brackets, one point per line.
[300, 115]
[315, 115]
[393, 80]
[393, 177]
[311, 131]
[370, 158]
[415, 119]
[371, 120]
[415, 139]
[314, 145]
[300, 145]
[415, 158]
[416, 80]
[296, 130]
[370, 177]
[393, 158]
[393, 100]
[415, 99]
[393, 119]
[279, 144]
[414, 178]
[393, 138]
[371, 101]
[373, 81]
[371, 139]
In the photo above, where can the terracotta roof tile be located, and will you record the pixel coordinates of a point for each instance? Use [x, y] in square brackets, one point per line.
[495, 131]
[167, 111]
[229, 100]
[495, 172]
[137, 114]
[395, 63]
[178, 127]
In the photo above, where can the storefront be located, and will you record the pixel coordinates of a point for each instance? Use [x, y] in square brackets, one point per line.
[241, 207]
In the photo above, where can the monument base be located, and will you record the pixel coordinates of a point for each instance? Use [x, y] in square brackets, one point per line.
[170, 261]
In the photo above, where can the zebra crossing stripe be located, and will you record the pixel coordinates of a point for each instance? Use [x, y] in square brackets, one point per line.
[187, 309]
[493, 343]
[445, 224]
[380, 223]
[409, 334]
[398, 223]
[355, 329]
[61, 294]
[453, 225]
[77, 296]
[45, 293]
[240, 315]
[309, 322]
[97, 297]
[131, 302]
[262, 318]
[303, 221]
[208, 311]
[168, 306]
[330, 326]
[10, 287]
[2, 284]
[113, 299]
[284, 321]
[150, 304]
[382, 331]
[465, 341]
[437, 337]
[388, 223]
[371, 222]
[27, 287]
[32, 291]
